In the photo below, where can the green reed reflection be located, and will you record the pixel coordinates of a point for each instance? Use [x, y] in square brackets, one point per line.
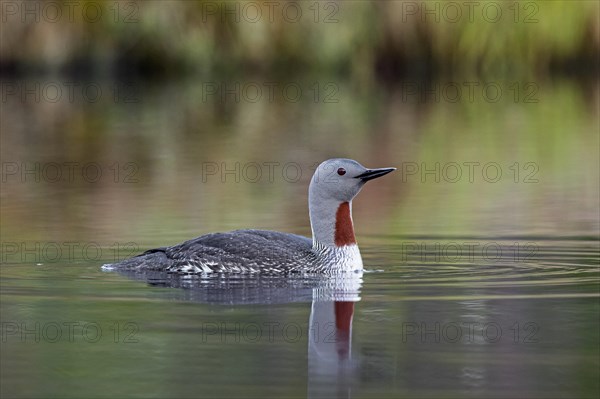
[179, 162]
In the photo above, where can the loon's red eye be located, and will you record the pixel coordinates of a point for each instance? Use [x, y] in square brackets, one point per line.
[341, 171]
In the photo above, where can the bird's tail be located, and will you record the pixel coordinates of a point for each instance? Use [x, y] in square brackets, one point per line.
[154, 259]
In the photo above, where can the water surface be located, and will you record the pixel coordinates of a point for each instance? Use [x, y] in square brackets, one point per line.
[423, 329]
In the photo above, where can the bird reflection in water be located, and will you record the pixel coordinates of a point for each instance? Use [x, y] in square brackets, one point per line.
[333, 298]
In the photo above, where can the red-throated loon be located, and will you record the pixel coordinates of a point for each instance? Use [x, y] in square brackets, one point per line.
[332, 249]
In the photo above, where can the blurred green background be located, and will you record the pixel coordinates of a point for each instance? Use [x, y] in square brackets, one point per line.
[170, 86]
[359, 39]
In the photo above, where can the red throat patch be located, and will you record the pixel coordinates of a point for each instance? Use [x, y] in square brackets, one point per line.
[343, 315]
[343, 324]
[344, 230]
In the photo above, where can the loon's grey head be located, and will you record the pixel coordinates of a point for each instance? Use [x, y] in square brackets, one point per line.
[333, 186]
[341, 179]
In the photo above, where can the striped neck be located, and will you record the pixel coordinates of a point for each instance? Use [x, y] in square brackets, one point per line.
[331, 223]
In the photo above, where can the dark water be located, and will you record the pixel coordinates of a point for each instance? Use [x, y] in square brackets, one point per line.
[476, 285]
[419, 329]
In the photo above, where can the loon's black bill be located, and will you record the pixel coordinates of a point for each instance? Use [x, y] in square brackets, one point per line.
[371, 174]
